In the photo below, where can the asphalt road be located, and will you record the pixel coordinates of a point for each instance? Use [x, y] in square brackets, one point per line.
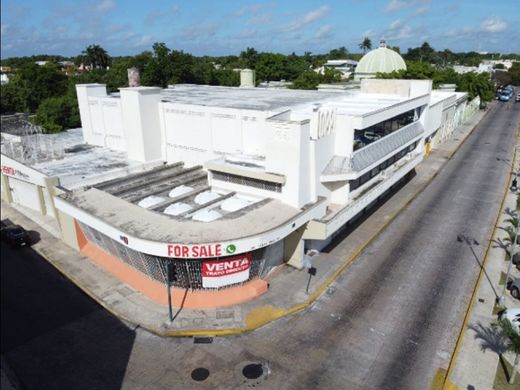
[53, 336]
[389, 322]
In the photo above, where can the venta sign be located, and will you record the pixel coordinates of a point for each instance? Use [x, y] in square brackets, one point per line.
[225, 272]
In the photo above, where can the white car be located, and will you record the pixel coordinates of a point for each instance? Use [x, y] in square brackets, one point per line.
[513, 315]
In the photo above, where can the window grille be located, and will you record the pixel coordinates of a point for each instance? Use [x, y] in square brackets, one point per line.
[189, 272]
[247, 181]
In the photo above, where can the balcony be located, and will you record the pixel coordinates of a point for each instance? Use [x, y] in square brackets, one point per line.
[344, 168]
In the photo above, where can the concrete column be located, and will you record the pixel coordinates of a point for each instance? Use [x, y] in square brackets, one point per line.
[68, 229]
[50, 187]
[83, 92]
[294, 248]
[6, 189]
[141, 123]
[41, 199]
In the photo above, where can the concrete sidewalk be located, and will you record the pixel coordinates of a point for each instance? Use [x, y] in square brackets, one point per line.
[287, 286]
[475, 366]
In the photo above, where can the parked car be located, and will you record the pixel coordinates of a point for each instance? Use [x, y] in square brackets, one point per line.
[514, 287]
[513, 315]
[15, 236]
[504, 97]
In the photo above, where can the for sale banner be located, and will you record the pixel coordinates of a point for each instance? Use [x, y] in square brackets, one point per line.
[225, 272]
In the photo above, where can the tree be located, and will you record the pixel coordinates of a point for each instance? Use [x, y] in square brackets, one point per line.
[32, 84]
[476, 85]
[57, 113]
[338, 54]
[249, 58]
[96, 56]
[512, 343]
[12, 98]
[366, 44]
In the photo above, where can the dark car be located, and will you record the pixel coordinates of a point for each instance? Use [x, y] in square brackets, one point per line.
[15, 236]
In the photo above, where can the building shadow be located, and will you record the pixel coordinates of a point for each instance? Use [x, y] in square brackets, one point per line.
[54, 336]
[355, 222]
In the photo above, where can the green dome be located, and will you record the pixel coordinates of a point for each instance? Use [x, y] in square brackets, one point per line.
[382, 60]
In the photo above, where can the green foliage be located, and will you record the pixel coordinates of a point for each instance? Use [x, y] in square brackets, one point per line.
[512, 337]
[472, 83]
[96, 56]
[514, 73]
[476, 85]
[310, 79]
[49, 92]
[340, 53]
[32, 84]
[366, 44]
[57, 113]
[12, 98]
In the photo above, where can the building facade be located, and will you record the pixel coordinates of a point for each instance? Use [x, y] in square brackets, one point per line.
[227, 184]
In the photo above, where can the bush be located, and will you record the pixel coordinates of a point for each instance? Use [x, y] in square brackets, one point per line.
[57, 113]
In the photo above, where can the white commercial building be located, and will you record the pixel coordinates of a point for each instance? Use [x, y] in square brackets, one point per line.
[228, 183]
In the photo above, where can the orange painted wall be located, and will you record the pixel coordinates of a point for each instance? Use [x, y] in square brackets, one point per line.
[156, 291]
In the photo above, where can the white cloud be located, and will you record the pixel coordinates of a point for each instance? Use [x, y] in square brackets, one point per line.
[422, 10]
[144, 40]
[105, 5]
[395, 24]
[249, 9]
[309, 18]
[397, 5]
[398, 30]
[259, 19]
[494, 24]
[324, 32]
[200, 32]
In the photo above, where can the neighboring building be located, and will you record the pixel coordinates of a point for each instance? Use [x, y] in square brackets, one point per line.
[225, 183]
[380, 60]
[344, 67]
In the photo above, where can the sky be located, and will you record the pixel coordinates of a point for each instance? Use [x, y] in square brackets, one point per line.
[224, 27]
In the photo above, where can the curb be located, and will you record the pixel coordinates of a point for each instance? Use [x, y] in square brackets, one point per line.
[261, 316]
[447, 384]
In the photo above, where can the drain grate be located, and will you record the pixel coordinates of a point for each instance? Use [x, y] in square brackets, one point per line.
[253, 371]
[202, 340]
[200, 374]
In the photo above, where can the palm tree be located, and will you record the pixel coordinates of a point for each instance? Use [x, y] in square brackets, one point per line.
[96, 56]
[512, 343]
[366, 44]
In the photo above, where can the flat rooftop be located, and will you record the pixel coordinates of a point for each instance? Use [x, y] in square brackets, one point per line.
[66, 156]
[171, 203]
[349, 102]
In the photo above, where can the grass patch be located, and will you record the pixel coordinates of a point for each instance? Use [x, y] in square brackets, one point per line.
[502, 377]
[503, 278]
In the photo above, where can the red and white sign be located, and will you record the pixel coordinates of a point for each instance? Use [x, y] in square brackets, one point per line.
[225, 272]
[10, 171]
[194, 251]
